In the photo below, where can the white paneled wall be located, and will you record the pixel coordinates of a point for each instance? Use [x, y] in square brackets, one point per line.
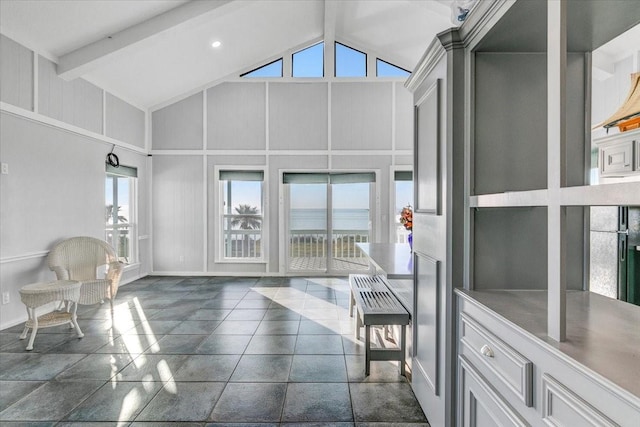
[403, 124]
[361, 116]
[276, 126]
[16, 85]
[124, 122]
[55, 150]
[298, 116]
[76, 102]
[179, 126]
[236, 116]
[178, 215]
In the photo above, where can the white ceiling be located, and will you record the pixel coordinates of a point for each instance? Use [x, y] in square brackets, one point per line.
[151, 51]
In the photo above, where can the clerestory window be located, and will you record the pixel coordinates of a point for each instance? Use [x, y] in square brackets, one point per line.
[309, 62]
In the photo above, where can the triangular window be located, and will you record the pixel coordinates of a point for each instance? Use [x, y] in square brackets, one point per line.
[350, 62]
[309, 62]
[385, 69]
[272, 69]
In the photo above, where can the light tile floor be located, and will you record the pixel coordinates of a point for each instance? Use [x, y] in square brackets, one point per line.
[205, 351]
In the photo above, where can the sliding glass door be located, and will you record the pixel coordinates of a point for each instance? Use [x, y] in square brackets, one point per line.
[328, 214]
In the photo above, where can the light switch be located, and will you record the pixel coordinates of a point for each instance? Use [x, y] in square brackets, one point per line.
[5, 168]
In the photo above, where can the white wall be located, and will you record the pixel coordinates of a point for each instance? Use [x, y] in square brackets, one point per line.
[350, 124]
[610, 90]
[55, 146]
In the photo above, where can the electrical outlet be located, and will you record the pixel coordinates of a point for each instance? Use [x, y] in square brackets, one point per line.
[5, 168]
[5, 298]
[181, 258]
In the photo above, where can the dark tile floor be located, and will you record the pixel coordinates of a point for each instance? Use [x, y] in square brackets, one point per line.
[205, 351]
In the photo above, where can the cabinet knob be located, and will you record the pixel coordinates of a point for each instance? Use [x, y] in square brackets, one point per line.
[486, 351]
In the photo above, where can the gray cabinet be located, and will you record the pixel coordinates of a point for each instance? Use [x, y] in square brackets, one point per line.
[508, 370]
[437, 86]
[502, 160]
[481, 405]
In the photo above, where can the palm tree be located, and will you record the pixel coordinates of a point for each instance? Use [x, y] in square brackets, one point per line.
[109, 213]
[246, 219]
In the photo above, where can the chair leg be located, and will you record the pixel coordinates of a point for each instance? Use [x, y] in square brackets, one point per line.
[24, 333]
[34, 331]
[74, 320]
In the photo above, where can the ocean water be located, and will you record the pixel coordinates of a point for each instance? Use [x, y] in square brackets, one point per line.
[316, 219]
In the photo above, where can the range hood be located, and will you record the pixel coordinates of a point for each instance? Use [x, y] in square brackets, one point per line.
[628, 115]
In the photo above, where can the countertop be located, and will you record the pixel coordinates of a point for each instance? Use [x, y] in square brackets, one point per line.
[393, 260]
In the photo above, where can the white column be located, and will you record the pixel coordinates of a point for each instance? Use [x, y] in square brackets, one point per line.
[556, 143]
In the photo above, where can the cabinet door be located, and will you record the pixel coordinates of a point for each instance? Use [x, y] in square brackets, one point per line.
[617, 158]
[479, 404]
[564, 408]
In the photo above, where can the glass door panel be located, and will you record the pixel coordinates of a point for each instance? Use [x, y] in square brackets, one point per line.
[350, 224]
[308, 233]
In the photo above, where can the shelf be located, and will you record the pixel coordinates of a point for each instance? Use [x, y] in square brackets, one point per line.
[614, 194]
[617, 194]
[510, 199]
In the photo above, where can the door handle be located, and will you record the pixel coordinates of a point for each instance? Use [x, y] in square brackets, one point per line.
[623, 248]
[486, 351]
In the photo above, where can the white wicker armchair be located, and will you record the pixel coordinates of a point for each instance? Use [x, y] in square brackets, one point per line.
[79, 258]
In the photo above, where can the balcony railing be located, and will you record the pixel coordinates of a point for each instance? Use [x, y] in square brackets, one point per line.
[243, 243]
[247, 244]
[313, 243]
[119, 237]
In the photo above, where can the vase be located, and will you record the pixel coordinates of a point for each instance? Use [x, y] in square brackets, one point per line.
[410, 241]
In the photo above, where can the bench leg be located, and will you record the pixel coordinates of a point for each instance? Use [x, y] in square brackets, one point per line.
[358, 325]
[367, 349]
[403, 349]
[352, 302]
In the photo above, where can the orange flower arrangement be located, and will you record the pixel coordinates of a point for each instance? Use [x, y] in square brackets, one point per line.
[406, 217]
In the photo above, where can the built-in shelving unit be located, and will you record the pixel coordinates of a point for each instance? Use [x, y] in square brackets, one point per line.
[505, 149]
[525, 306]
[529, 143]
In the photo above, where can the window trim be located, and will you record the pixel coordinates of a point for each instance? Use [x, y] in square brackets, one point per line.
[281, 59]
[218, 240]
[392, 196]
[131, 173]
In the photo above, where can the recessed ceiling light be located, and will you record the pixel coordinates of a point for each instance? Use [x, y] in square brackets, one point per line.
[216, 43]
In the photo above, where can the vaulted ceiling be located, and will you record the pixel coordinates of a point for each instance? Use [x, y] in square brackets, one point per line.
[151, 51]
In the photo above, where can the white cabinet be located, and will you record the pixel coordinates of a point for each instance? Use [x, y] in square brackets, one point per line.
[618, 154]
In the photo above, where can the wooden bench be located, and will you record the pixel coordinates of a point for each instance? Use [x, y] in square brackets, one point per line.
[377, 306]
